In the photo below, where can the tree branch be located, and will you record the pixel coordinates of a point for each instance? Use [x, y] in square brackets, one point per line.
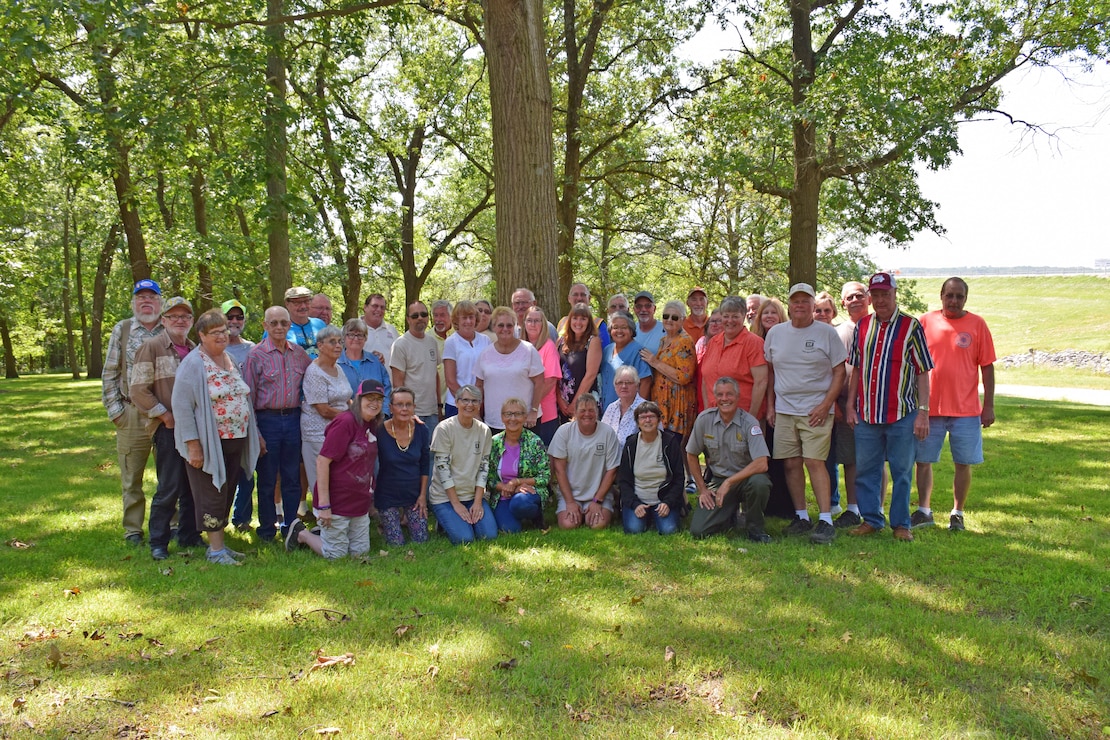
[841, 24]
[282, 19]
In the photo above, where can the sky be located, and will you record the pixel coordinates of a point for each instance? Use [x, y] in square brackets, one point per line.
[1012, 199]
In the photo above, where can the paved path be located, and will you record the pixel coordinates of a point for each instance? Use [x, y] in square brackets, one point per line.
[1044, 393]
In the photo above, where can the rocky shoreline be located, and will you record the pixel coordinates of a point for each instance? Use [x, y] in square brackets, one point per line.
[1098, 362]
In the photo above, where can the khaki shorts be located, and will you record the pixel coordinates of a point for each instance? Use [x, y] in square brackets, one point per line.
[794, 437]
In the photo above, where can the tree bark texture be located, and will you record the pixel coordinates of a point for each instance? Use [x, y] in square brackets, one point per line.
[523, 160]
[807, 170]
[10, 369]
[100, 292]
[67, 300]
[277, 149]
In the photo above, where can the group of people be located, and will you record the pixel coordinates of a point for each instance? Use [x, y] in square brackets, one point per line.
[483, 413]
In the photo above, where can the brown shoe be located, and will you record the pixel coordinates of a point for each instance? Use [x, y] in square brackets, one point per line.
[862, 530]
[903, 534]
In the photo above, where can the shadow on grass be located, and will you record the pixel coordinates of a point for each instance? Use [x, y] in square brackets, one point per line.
[999, 630]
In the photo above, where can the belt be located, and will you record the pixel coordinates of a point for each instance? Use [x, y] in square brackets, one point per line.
[280, 412]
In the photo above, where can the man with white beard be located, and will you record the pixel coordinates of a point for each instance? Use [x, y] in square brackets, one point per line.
[133, 443]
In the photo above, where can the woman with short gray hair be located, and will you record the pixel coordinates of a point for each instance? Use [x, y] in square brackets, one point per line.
[326, 393]
[673, 387]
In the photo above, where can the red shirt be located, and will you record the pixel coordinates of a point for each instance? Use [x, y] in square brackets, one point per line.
[734, 360]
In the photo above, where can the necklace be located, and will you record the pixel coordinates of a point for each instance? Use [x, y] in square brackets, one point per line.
[411, 430]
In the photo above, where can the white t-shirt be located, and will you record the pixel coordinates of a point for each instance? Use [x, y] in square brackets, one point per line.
[588, 458]
[465, 354]
[803, 361]
[507, 376]
[649, 469]
[381, 339]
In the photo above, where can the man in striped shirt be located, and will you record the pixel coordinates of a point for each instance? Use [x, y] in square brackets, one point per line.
[888, 405]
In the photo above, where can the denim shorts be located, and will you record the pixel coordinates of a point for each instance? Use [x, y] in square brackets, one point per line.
[965, 438]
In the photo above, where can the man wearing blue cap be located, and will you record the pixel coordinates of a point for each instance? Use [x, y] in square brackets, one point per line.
[133, 443]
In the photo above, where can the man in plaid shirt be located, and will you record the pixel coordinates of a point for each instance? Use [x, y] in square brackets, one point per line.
[133, 442]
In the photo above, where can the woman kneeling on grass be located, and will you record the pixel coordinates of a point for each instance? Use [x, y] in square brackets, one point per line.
[404, 459]
[518, 470]
[344, 472]
[650, 476]
[461, 446]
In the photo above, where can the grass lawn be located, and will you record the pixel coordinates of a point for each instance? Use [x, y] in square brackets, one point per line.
[1001, 631]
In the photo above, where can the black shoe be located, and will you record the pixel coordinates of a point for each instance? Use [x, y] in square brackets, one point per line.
[295, 528]
[798, 526]
[920, 519]
[134, 538]
[847, 520]
[823, 533]
[758, 535]
[956, 523]
[159, 552]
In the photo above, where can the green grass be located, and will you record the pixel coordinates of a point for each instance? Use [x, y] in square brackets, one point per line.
[1042, 313]
[1003, 631]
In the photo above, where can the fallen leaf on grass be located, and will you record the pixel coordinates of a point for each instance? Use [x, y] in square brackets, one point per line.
[434, 650]
[152, 640]
[433, 671]
[757, 694]
[401, 629]
[17, 545]
[71, 592]
[520, 611]
[166, 571]
[410, 555]
[383, 553]
[846, 637]
[94, 635]
[327, 661]
[669, 654]
[505, 599]
[17, 704]
[273, 712]
[365, 583]
[1080, 602]
[329, 731]
[127, 636]
[55, 659]
[576, 715]
[636, 600]
[505, 665]
[206, 643]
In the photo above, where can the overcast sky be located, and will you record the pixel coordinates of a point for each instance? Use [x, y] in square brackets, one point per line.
[1012, 198]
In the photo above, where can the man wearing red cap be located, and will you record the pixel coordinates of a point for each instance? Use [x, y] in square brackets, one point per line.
[888, 405]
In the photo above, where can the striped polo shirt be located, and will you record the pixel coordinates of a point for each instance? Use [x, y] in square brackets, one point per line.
[889, 356]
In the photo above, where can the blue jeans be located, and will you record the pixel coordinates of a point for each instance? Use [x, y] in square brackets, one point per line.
[512, 513]
[663, 524]
[173, 492]
[282, 433]
[459, 531]
[242, 510]
[834, 474]
[876, 444]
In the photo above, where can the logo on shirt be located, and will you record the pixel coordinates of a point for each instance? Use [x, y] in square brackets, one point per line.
[755, 432]
[477, 448]
[963, 340]
[599, 449]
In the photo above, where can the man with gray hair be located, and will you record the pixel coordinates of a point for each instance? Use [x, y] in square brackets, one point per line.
[522, 300]
[736, 450]
[320, 308]
[133, 443]
[753, 302]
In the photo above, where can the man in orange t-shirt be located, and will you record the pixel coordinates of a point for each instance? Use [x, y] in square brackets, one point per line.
[962, 348]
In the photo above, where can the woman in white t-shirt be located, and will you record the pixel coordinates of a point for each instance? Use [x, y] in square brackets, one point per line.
[509, 368]
[460, 353]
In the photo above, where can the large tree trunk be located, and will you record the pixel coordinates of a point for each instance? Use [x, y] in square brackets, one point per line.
[277, 147]
[523, 161]
[81, 310]
[807, 172]
[197, 185]
[100, 292]
[121, 168]
[10, 370]
[67, 302]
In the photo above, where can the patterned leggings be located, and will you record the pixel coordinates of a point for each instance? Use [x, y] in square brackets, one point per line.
[391, 524]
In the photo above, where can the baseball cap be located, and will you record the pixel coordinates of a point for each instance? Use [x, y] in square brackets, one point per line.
[174, 303]
[882, 281]
[369, 387]
[230, 304]
[146, 284]
[697, 289]
[298, 291]
[644, 294]
[802, 288]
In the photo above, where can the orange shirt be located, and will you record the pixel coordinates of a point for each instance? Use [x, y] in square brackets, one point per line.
[959, 348]
[735, 361]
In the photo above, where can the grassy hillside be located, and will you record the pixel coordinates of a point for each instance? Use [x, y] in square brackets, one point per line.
[1043, 313]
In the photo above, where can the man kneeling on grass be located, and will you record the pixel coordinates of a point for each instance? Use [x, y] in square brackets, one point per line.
[736, 450]
[344, 468]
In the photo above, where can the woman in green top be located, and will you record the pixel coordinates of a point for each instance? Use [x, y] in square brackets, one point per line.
[518, 471]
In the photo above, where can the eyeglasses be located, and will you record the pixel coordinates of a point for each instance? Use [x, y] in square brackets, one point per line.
[178, 317]
[514, 414]
[504, 326]
[418, 315]
[854, 297]
[671, 317]
[216, 333]
[468, 401]
[354, 335]
[236, 318]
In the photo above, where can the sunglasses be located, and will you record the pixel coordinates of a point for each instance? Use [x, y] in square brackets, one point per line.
[671, 317]
[854, 297]
[418, 315]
